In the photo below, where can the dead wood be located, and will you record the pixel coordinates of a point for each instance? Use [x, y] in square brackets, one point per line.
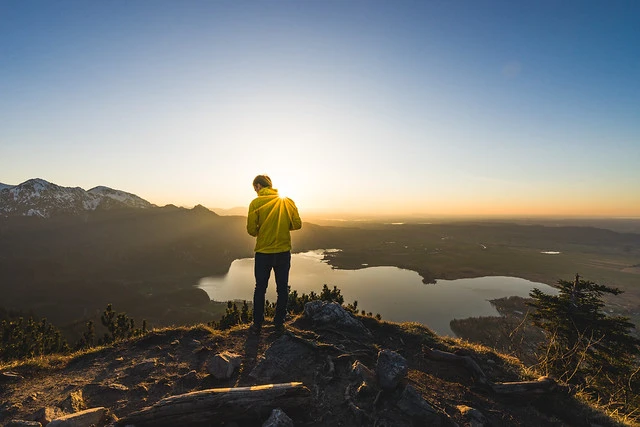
[542, 385]
[465, 361]
[220, 404]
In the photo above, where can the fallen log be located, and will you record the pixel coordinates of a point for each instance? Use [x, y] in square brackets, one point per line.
[220, 404]
[465, 361]
[542, 385]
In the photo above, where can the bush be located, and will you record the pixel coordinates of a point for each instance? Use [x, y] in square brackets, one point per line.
[233, 316]
[21, 339]
[295, 305]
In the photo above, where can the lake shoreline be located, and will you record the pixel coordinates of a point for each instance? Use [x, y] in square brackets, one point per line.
[397, 294]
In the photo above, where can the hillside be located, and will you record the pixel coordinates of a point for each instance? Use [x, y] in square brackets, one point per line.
[147, 261]
[66, 252]
[144, 261]
[132, 375]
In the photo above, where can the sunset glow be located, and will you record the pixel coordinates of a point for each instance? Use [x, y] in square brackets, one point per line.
[364, 108]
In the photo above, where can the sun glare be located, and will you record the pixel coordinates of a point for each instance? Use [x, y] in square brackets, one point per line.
[287, 189]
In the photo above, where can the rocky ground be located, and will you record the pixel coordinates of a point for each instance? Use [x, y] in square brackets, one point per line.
[355, 371]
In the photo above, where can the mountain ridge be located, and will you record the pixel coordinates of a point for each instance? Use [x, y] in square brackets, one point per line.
[39, 197]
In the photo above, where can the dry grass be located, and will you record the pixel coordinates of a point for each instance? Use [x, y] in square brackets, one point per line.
[407, 337]
[606, 410]
[49, 362]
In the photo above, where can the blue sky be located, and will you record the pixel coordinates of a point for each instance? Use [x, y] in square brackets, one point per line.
[362, 107]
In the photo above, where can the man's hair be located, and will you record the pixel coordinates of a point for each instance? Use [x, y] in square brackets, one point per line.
[263, 180]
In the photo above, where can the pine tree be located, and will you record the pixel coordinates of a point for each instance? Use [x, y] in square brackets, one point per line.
[331, 294]
[108, 321]
[231, 317]
[20, 339]
[119, 325]
[245, 314]
[585, 347]
[88, 339]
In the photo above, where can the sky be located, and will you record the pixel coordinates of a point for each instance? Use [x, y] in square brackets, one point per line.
[427, 107]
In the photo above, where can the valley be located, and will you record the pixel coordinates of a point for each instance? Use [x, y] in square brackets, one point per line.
[147, 262]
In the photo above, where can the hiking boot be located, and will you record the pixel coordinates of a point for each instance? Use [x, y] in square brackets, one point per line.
[255, 329]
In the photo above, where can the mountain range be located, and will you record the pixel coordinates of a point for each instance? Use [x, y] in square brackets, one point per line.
[37, 197]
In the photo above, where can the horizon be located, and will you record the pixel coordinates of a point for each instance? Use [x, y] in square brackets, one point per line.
[405, 108]
[328, 215]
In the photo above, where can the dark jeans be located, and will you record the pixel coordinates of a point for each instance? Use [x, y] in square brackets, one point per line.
[280, 263]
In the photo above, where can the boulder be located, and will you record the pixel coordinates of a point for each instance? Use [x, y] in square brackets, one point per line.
[283, 361]
[414, 406]
[332, 314]
[278, 419]
[473, 416]
[360, 371]
[74, 402]
[222, 365]
[46, 414]
[391, 368]
[90, 417]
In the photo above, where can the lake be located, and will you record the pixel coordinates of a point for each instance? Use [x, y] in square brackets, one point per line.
[398, 295]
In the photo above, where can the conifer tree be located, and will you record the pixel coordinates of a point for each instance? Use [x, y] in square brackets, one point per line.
[119, 325]
[88, 338]
[20, 339]
[585, 346]
[245, 314]
[331, 295]
[231, 317]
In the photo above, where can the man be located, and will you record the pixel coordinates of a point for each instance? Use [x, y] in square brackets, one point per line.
[270, 220]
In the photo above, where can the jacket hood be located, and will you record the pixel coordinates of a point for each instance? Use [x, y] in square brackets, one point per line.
[266, 191]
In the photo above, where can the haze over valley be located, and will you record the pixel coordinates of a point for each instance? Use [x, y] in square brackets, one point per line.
[65, 259]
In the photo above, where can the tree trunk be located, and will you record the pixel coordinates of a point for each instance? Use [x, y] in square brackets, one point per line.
[222, 404]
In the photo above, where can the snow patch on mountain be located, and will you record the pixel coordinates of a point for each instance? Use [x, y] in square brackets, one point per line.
[123, 197]
[34, 212]
[38, 197]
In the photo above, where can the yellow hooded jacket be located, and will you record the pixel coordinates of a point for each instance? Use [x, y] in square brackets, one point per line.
[270, 219]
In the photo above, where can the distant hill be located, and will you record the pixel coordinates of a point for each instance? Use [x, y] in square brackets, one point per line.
[238, 210]
[37, 197]
[67, 266]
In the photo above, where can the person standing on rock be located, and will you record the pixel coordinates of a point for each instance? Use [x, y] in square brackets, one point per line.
[271, 219]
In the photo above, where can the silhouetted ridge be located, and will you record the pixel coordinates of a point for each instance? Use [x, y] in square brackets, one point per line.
[199, 209]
